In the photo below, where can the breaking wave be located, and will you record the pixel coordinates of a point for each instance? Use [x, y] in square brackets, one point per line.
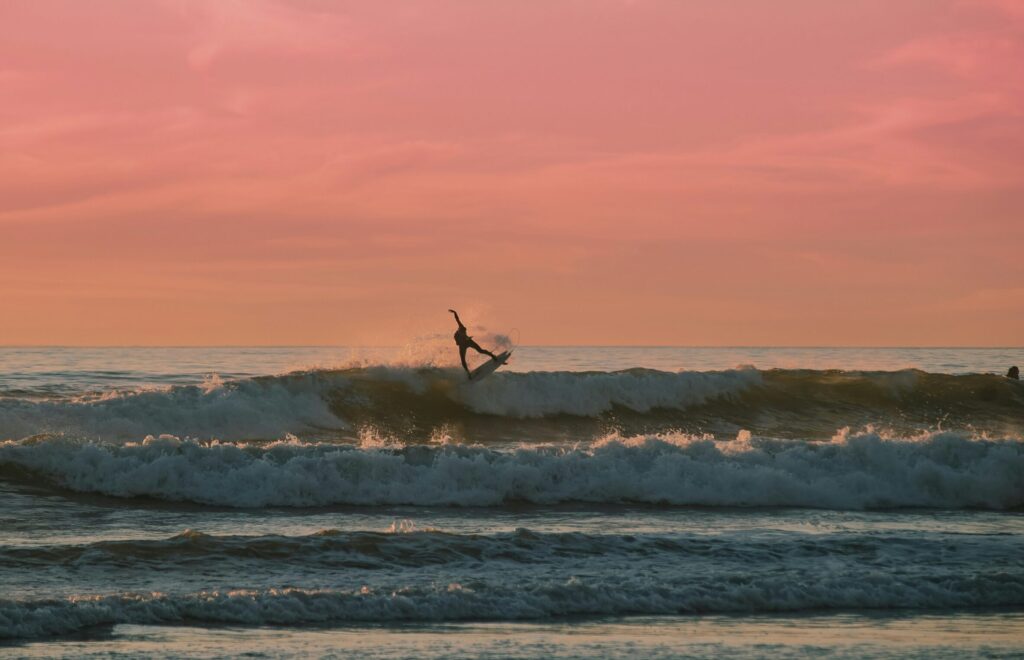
[852, 471]
[414, 404]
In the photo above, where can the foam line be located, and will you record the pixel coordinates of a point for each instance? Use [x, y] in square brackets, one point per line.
[853, 471]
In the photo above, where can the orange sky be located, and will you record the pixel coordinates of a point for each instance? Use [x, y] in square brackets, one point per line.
[621, 172]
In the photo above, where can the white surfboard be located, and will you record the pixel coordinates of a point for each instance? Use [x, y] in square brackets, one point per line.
[487, 368]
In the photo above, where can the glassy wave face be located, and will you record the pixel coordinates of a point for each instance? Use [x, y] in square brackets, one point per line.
[387, 493]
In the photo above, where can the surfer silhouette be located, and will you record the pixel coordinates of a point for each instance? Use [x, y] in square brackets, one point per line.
[1013, 373]
[465, 342]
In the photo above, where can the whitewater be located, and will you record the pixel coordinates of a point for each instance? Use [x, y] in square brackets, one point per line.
[303, 498]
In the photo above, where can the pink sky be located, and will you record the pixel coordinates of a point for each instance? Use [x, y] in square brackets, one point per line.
[630, 172]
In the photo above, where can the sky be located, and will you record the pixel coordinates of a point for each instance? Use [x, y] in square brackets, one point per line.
[698, 172]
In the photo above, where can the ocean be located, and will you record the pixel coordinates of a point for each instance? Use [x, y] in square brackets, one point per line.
[602, 502]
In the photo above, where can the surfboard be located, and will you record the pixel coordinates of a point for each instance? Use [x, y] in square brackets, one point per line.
[488, 368]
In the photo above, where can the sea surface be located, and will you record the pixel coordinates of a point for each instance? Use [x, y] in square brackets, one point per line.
[601, 502]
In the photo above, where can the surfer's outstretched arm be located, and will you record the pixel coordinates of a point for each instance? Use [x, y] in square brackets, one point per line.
[457, 319]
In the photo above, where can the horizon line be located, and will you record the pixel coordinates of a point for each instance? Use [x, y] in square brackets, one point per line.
[397, 346]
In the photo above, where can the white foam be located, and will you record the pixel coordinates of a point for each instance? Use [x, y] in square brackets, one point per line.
[948, 470]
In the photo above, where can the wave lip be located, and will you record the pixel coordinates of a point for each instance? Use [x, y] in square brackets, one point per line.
[858, 471]
[531, 600]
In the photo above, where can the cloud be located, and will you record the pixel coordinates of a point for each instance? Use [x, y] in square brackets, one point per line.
[608, 154]
[243, 27]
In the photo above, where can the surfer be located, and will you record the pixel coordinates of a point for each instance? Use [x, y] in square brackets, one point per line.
[1013, 373]
[464, 341]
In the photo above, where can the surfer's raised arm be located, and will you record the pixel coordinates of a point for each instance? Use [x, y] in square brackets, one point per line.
[457, 319]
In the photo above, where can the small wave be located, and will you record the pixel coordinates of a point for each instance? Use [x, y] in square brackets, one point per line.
[367, 550]
[853, 471]
[524, 600]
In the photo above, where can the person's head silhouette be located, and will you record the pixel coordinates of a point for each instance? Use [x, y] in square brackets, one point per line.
[1013, 373]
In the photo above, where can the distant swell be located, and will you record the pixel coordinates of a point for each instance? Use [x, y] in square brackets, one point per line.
[530, 600]
[385, 551]
[947, 470]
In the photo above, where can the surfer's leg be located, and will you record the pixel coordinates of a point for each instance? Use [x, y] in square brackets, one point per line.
[462, 356]
[483, 351]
